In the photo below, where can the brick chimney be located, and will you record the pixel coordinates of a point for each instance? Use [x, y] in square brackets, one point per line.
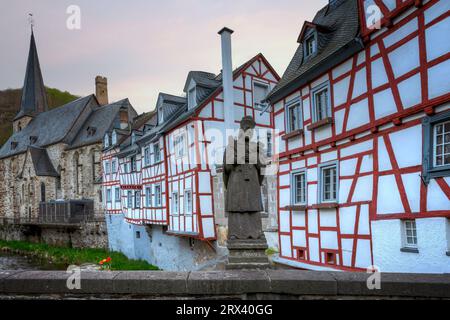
[101, 90]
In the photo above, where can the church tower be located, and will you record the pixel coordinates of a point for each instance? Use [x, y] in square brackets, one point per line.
[34, 98]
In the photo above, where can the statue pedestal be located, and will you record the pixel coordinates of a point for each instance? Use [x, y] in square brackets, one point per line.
[247, 254]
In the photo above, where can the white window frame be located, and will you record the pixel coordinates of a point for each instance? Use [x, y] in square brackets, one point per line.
[177, 144]
[312, 36]
[106, 141]
[187, 196]
[409, 225]
[435, 145]
[129, 199]
[108, 195]
[113, 166]
[269, 141]
[157, 196]
[117, 194]
[257, 104]
[148, 196]
[321, 169]
[294, 174]
[133, 168]
[316, 90]
[297, 104]
[114, 138]
[175, 203]
[147, 156]
[107, 167]
[137, 199]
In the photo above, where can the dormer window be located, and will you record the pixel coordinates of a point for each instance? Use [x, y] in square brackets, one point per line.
[310, 45]
[114, 138]
[14, 145]
[133, 137]
[91, 130]
[192, 98]
[33, 139]
[160, 115]
[106, 141]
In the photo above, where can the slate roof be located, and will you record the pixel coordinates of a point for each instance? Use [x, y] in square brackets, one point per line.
[49, 127]
[99, 123]
[41, 162]
[338, 39]
[34, 97]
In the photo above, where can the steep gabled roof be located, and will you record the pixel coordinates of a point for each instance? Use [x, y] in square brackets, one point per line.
[201, 78]
[50, 127]
[338, 39]
[34, 97]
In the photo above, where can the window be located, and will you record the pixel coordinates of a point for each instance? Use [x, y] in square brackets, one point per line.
[108, 195]
[157, 194]
[260, 91]
[114, 166]
[137, 199]
[148, 197]
[129, 199]
[441, 145]
[156, 153]
[179, 146]
[106, 141]
[138, 234]
[107, 167]
[330, 258]
[269, 144]
[188, 201]
[175, 203]
[301, 254]
[42, 192]
[117, 194]
[161, 115]
[328, 183]
[192, 99]
[409, 234]
[133, 164]
[321, 103]
[448, 235]
[147, 156]
[436, 146]
[114, 138]
[294, 117]
[298, 188]
[310, 45]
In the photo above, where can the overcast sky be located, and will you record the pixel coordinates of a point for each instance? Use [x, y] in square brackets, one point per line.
[144, 47]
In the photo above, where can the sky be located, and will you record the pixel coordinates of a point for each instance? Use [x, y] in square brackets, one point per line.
[144, 47]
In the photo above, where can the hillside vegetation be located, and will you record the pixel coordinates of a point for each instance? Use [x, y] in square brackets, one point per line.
[10, 104]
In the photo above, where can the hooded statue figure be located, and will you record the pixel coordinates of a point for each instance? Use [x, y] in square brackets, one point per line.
[242, 179]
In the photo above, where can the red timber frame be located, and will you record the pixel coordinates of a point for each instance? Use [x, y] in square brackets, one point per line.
[109, 181]
[253, 69]
[372, 131]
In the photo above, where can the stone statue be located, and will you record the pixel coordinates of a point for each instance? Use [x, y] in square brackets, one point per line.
[242, 178]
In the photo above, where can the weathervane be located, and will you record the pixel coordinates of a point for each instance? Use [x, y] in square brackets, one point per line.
[31, 20]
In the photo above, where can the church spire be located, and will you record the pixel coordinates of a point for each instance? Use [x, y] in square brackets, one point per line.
[34, 98]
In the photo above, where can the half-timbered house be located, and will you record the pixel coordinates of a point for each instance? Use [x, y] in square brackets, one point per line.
[179, 222]
[363, 111]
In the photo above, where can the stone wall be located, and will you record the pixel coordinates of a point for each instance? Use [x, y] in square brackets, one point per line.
[20, 194]
[88, 235]
[269, 284]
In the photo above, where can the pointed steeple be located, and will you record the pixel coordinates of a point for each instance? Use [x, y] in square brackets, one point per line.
[34, 98]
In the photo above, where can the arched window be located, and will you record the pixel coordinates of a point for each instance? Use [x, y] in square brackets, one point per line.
[95, 164]
[42, 192]
[23, 193]
[58, 180]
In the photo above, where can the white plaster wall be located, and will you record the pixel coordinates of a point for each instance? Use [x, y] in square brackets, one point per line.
[432, 245]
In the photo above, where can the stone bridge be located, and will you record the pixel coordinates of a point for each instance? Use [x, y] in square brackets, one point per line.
[270, 284]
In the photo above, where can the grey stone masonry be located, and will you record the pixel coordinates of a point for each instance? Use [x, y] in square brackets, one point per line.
[237, 284]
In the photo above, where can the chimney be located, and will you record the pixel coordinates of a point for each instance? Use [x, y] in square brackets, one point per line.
[123, 114]
[101, 90]
[227, 77]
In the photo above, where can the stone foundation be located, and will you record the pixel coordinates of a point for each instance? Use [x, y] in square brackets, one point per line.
[87, 235]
